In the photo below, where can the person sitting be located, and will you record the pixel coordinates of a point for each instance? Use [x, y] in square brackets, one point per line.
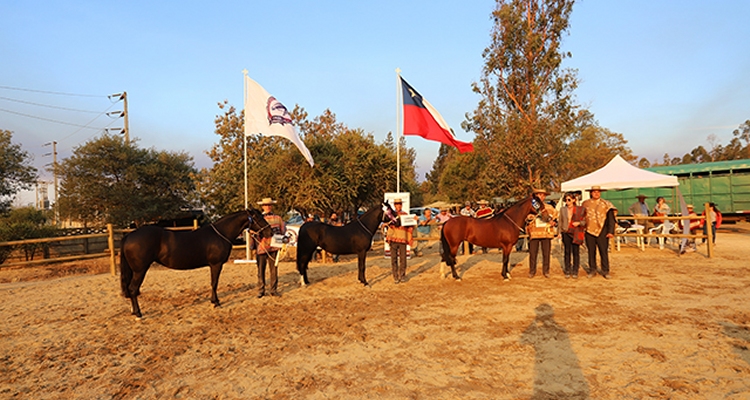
[424, 229]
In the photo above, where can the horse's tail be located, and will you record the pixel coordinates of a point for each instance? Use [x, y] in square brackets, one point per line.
[446, 249]
[126, 273]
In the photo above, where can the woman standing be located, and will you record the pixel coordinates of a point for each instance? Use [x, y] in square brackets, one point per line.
[572, 223]
[661, 209]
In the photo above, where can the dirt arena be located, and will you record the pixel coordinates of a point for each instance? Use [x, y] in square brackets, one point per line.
[664, 327]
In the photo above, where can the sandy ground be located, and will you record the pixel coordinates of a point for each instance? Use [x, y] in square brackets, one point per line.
[664, 327]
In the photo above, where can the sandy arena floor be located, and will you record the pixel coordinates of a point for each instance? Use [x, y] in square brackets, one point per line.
[665, 327]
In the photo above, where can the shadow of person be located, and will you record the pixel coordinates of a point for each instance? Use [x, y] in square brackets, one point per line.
[741, 334]
[557, 373]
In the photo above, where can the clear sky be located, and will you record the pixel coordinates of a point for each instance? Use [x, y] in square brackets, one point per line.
[665, 74]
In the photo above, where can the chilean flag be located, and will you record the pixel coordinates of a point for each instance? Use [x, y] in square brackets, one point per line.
[421, 119]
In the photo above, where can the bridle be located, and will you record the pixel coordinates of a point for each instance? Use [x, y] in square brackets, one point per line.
[250, 223]
[534, 204]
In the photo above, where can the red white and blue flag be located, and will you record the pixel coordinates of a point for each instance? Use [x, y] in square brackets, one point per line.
[421, 119]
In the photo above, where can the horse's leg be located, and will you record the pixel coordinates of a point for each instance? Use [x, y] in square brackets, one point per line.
[361, 263]
[452, 252]
[215, 272]
[135, 290]
[506, 261]
[303, 261]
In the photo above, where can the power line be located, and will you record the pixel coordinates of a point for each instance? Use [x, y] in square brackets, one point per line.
[50, 92]
[49, 119]
[47, 105]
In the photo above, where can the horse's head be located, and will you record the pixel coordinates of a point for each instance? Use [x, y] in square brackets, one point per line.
[390, 215]
[258, 224]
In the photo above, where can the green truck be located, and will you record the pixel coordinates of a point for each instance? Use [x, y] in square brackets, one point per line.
[726, 183]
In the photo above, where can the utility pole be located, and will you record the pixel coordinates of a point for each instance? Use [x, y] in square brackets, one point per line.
[126, 129]
[54, 174]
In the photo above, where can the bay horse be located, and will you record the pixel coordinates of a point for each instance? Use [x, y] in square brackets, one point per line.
[209, 245]
[500, 231]
[352, 238]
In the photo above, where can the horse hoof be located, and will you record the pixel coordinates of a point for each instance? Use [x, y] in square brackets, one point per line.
[139, 318]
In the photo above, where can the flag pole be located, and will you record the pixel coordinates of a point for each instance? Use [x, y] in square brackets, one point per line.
[244, 147]
[399, 94]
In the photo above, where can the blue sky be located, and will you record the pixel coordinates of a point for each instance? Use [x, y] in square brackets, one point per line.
[664, 74]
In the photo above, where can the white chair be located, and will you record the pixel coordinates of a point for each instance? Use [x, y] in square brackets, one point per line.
[635, 228]
[661, 229]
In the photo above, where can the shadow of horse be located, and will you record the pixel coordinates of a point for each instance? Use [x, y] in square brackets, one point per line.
[557, 372]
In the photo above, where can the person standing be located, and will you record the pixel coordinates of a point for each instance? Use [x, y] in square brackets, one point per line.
[484, 211]
[398, 237]
[425, 222]
[572, 228]
[467, 211]
[694, 225]
[335, 221]
[716, 218]
[265, 253]
[640, 209]
[600, 227]
[542, 228]
[661, 209]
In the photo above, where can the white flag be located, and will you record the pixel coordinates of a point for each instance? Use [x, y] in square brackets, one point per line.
[267, 116]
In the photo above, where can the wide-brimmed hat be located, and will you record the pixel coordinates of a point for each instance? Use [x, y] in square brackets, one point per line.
[597, 188]
[641, 196]
[267, 201]
[397, 201]
[483, 202]
[539, 191]
[689, 206]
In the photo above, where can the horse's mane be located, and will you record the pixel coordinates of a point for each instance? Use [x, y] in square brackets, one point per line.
[503, 211]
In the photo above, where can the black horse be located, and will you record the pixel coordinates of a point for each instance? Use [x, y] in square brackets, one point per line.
[209, 245]
[352, 238]
[501, 231]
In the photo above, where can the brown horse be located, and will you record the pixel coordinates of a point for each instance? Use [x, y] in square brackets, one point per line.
[501, 231]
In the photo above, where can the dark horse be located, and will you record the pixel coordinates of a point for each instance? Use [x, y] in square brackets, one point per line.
[209, 245]
[352, 238]
[501, 231]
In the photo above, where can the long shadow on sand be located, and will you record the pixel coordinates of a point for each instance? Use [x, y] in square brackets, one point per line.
[557, 372]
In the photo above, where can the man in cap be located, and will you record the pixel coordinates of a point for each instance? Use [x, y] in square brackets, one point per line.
[398, 237]
[267, 254]
[542, 228]
[600, 227]
[640, 209]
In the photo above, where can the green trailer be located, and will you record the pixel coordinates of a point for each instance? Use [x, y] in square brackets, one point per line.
[726, 183]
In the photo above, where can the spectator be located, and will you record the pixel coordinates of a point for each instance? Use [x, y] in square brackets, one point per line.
[467, 211]
[716, 218]
[695, 225]
[425, 223]
[661, 209]
[483, 212]
[640, 209]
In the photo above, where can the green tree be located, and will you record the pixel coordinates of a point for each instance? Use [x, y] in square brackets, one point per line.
[25, 223]
[16, 172]
[526, 113]
[109, 181]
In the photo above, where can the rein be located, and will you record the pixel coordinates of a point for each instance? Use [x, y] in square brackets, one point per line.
[220, 235]
[364, 227]
[513, 222]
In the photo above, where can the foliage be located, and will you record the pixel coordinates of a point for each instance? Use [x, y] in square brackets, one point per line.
[734, 150]
[526, 115]
[109, 181]
[25, 223]
[16, 173]
[351, 170]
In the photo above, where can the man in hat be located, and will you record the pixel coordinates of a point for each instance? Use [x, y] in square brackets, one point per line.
[600, 227]
[267, 254]
[695, 226]
[425, 223]
[467, 211]
[640, 209]
[542, 228]
[398, 237]
[484, 211]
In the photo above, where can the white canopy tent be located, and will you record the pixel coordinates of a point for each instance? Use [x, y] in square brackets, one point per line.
[619, 174]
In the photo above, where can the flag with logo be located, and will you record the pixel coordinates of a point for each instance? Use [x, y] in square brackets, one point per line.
[422, 119]
[267, 116]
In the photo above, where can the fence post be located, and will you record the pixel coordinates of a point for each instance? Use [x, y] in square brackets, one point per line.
[111, 243]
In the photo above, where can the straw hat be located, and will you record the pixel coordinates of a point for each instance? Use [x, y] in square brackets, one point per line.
[689, 206]
[641, 196]
[485, 202]
[540, 191]
[397, 201]
[597, 188]
[267, 201]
